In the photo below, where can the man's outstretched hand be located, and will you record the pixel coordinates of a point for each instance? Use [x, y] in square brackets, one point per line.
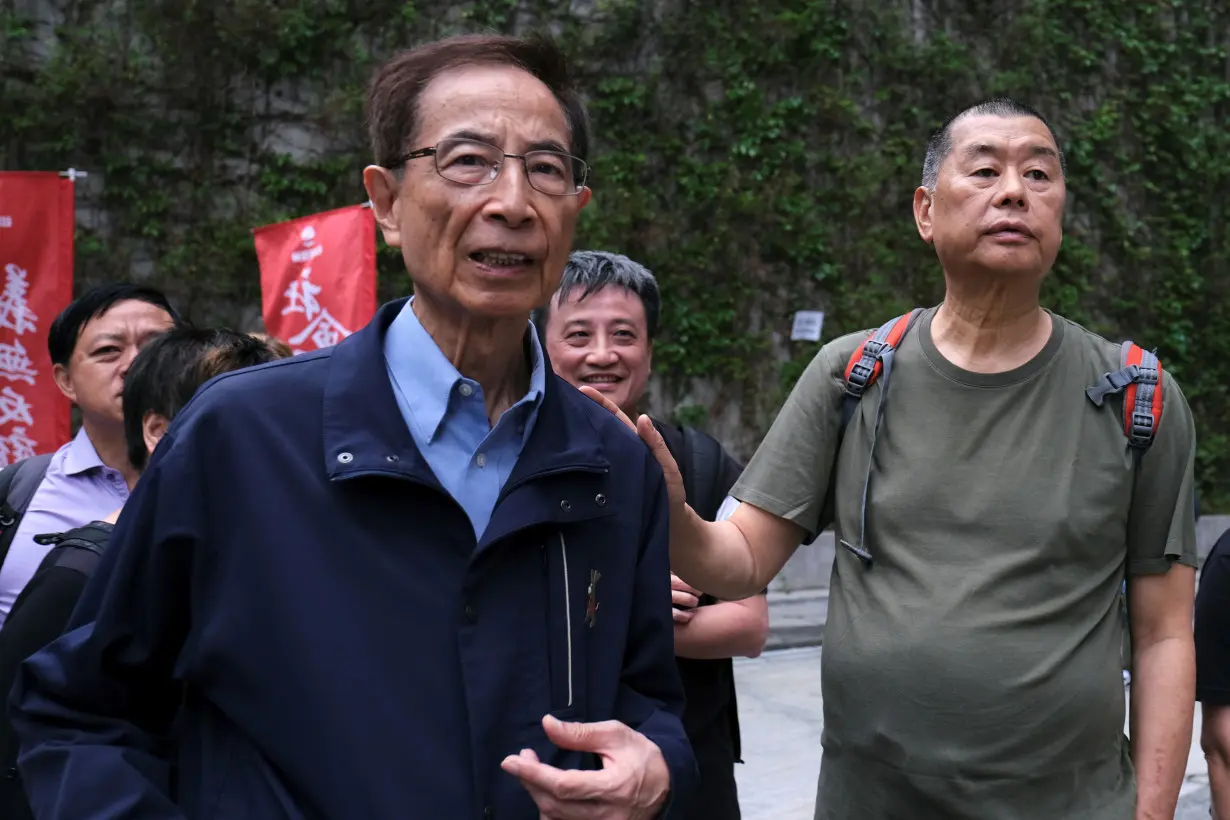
[649, 434]
[631, 785]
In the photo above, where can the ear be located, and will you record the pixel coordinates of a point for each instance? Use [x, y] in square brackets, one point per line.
[64, 381]
[383, 189]
[153, 428]
[584, 197]
[923, 201]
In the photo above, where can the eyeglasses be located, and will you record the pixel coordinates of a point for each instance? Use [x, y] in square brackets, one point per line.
[470, 162]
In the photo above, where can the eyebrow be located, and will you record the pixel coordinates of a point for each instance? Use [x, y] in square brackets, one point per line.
[982, 149]
[491, 139]
[106, 337]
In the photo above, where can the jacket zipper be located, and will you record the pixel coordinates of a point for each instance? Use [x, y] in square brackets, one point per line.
[567, 612]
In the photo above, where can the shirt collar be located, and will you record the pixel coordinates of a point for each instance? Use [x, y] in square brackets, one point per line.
[426, 378]
[81, 455]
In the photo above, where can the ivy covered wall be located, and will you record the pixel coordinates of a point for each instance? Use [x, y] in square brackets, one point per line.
[759, 156]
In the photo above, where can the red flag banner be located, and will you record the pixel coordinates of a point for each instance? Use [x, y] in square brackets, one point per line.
[36, 260]
[318, 276]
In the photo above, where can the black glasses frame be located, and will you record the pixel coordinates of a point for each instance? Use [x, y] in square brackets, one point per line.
[434, 151]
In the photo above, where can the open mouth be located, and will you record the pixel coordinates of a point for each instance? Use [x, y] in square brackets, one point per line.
[493, 259]
[601, 379]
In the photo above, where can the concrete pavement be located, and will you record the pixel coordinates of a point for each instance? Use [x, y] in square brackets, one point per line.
[781, 713]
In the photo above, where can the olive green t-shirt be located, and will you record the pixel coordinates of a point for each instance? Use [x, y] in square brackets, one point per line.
[973, 671]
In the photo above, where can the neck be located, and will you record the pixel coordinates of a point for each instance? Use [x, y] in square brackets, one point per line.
[990, 329]
[489, 351]
[108, 440]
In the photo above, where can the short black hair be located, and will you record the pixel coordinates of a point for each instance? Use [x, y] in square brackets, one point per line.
[940, 144]
[591, 271]
[172, 366]
[66, 329]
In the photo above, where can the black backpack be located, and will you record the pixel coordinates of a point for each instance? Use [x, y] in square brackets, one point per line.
[18, 482]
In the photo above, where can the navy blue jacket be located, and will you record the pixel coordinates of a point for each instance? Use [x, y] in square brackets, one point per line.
[294, 619]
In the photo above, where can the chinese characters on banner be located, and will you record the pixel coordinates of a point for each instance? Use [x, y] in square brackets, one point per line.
[318, 276]
[36, 283]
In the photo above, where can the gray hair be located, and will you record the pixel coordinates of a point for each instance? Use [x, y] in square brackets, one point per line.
[940, 145]
[592, 271]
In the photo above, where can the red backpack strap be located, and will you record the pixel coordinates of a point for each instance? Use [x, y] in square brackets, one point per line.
[1139, 378]
[866, 362]
[870, 359]
[1142, 400]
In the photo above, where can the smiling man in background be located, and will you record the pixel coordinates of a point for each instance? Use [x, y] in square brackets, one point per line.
[599, 329]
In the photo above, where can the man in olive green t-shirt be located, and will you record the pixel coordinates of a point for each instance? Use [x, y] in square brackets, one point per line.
[972, 668]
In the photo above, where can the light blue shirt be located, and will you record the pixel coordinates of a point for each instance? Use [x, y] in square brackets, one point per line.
[447, 416]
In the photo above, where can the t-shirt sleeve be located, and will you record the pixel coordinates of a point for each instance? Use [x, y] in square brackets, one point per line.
[789, 474]
[1213, 627]
[1162, 524]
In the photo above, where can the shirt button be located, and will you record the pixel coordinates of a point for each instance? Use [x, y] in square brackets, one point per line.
[481, 459]
[471, 615]
[466, 390]
[488, 813]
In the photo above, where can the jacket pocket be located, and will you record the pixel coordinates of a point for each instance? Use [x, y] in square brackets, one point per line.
[567, 600]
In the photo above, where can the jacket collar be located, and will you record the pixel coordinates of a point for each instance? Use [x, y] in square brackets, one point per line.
[364, 432]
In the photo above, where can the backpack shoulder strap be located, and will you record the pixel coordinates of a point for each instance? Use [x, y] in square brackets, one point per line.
[18, 483]
[704, 455]
[1139, 378]
[867, 362]
[79, 549]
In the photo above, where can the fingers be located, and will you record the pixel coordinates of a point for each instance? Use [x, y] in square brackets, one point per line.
[610, 406]
[682, 616]
[670, 469]
[645, 429]
[599, 738]
[683, 599]
[560, 794]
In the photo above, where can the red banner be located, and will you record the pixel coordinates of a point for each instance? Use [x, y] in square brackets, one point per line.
[318, 276]
[36, 260]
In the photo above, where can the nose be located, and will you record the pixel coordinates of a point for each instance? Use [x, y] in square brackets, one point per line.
[130, 353]
[1012, 189]
[510, 196]
[601, 354]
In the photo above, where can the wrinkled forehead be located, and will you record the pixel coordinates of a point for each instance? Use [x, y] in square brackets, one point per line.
[131, 317]
[505, 105]
[989, 134]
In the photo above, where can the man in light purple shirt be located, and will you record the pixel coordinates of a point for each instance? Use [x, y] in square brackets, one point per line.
[92, 343]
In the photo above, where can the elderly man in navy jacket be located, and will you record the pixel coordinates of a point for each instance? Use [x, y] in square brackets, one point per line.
[412, 576]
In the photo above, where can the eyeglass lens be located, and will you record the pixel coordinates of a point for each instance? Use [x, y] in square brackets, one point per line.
[476, 163]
